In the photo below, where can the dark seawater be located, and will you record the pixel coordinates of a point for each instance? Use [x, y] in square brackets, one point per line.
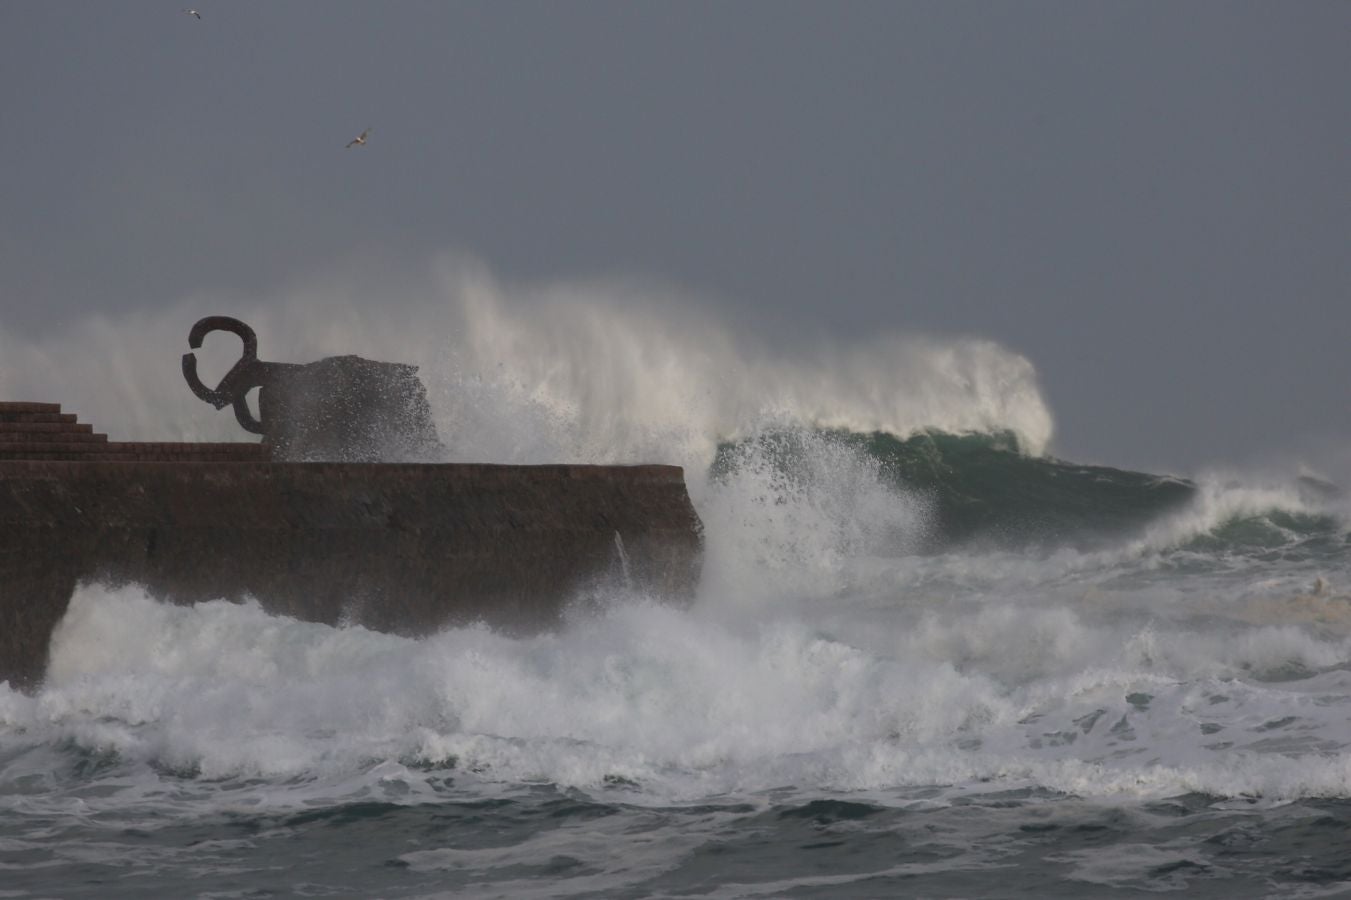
[543, 841]
[934, 666]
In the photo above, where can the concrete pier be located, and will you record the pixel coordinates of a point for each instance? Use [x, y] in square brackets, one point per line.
[402, 548]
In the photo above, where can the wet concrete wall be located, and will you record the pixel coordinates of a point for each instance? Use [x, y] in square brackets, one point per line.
[402, 548]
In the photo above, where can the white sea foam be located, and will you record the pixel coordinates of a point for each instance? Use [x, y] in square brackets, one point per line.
[683, 704]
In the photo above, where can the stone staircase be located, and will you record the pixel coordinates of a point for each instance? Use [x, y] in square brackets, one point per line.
[40, 431]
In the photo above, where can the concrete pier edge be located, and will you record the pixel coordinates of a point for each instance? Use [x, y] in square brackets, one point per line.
[398, 547]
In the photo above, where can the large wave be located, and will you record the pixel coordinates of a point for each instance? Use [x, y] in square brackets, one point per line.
[522, 373]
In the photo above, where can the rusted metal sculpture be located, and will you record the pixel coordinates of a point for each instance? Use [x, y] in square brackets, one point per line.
[341, 408]
[245, 375]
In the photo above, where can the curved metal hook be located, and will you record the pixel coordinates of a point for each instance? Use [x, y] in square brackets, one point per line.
[224, 323]
[244, 415]
[234, 385]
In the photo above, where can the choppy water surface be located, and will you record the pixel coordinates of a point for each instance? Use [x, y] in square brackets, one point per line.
[546, 842]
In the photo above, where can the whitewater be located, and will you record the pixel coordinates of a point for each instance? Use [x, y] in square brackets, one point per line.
[926, 656]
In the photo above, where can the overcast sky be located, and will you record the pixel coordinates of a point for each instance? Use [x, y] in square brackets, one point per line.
[1151, 201]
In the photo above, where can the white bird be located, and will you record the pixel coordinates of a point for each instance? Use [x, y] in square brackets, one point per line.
[359, 140]
[193, 12]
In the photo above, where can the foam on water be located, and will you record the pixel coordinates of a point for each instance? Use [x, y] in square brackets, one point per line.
[685, 704]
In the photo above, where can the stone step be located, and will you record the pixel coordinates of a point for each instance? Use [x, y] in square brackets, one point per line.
[36, 418]
[94, 458]
[16, 449]
[180, 459]
[71, 427]
[95, 447]
[49, 437]
[185, 447]
[52, 456]
[8, 406]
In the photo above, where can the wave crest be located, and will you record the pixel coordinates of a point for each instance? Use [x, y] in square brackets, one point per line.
[598, 371]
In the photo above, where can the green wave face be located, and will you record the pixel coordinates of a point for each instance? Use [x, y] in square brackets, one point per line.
[1276, 535]
[981, 489]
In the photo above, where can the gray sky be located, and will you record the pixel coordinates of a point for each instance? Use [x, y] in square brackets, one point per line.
[1152, 201]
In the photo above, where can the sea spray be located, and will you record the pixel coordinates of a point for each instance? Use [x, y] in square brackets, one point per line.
[587, 372]
[787, 512]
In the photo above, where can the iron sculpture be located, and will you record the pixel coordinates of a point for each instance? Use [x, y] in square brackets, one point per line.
[340, 408]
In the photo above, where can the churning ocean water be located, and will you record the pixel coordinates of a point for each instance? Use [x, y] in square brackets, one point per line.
[926, 658]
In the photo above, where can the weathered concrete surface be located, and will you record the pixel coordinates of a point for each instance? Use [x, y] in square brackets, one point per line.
[402, 548]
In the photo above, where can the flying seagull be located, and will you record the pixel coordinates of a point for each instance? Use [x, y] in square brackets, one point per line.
[193, 12]
[359, 140]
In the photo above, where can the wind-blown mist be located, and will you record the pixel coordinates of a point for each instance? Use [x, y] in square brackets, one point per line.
[536, 373]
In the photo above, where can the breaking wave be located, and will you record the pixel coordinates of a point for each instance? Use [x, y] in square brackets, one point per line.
[602, 372]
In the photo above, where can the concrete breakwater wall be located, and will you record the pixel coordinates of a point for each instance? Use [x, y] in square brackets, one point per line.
[401, 548]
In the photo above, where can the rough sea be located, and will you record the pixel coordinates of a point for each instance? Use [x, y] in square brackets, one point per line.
[927, 657]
